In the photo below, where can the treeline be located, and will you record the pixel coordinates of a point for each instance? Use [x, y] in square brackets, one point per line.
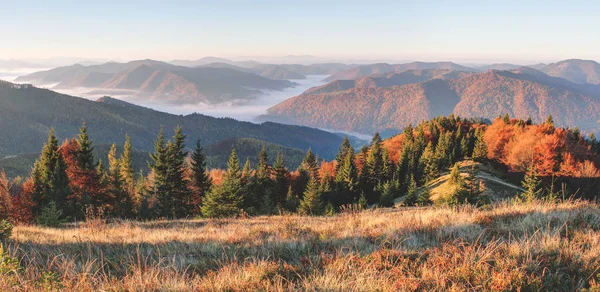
[68, 183]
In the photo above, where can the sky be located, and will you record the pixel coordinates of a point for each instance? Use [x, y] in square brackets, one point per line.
[468, 31]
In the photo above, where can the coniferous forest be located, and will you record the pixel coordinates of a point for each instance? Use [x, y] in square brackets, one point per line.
[67, 183]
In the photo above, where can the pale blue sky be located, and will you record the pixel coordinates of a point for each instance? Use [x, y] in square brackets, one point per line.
[402, 30]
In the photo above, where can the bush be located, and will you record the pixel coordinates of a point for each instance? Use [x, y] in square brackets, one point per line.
[5, 229]
[51, 216]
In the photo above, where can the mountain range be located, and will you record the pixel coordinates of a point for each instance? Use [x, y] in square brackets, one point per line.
[381, 68]
[27, 113]
[390, 102]
[163, 82]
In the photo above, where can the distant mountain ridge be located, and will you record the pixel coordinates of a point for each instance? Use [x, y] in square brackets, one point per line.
[525, 92]
[161, 81]
[381, 68]
[574, 70]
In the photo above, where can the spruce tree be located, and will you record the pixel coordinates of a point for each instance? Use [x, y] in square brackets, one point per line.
[345, 149]
[411, 196]
[263, 171]
[311, 203]
[430, 163]
[347, 180]
[309, 164]
[201, 181]
[85, 154]
[532, 186]
[226, 199]
[455, 176]
[291, 200]
[125, 161]
[282, 182]
[50, 181]
[180, 199]
[123, 200]
[424, 198]
[159, 165]
[480, 151]
[388, 194]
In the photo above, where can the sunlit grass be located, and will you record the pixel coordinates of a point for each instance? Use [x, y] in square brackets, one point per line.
[537, 246]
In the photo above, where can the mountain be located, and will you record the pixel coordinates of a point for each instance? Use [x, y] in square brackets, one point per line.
[380, 68]
[209, 60]
[575, 70]
[389, 80]
[27, 113]
[17, 64]
[521, 93]
[160, 81]
[499, 66]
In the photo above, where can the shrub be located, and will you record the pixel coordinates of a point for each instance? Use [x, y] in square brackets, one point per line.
[5, 229]
[51, 216]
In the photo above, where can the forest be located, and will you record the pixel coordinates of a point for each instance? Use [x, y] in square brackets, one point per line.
[67, 183]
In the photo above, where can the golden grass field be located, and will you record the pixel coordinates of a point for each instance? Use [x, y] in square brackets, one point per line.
[508, 247]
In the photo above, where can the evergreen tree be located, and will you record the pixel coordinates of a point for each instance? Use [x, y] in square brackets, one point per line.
[247, 170]
[226, 199]
[125, 161]
[85, 154]
[430, 163]
[291, 201]
[374, 169]
[480, 150]
[311, 203]
[388, 194]
[411, 196]
[123, 200]
[309, 164]
[532, 185]
[159, 165]
[455, 176]
[179, 203]
[424, 198]
[347, 180]
[200, 181]
[282, 182]
[50, 181]
[263, 171]
[345, 149]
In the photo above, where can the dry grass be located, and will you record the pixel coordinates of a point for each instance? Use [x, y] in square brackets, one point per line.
[511, 247]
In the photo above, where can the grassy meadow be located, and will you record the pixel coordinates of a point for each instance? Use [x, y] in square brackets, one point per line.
[506, 247]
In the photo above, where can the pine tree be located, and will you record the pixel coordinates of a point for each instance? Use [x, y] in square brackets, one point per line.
[125, 161]
[247, 170]
[85, 154]
[291, 200]
[430, 163]
[311, 203]
[455, 176]
[480, 150]
[345, 149]
[532, 185]
[424, 198]
[226, 199]
[374, 168]
[50, 181]
[123, 200]
[180, 195]
[309, 164]
[160, 168]
[263, 171]
[388, 194]
[282, 182]
[200, 181]
[411, 196]
[347, 180]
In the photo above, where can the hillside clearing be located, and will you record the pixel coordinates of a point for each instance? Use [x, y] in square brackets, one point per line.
[538, 246]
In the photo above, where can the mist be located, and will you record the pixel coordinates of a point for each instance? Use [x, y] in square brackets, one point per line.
[239, 110]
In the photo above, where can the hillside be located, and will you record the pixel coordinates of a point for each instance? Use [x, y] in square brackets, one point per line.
[538, 246]
[160, 81]
[27, 113]
[381, 68]
[523, 93]
[575, 70]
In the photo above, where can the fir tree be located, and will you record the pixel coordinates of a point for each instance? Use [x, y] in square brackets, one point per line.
[160, 168]
[347, 180]
[282, 182]
[123, 200]
[226, 199]
[263, 171]
[200, 181]
[480, 150]
[125, 161]
[309, 164]
[85, 154]
[179, 203]
[291, 200]
[411, 196]
[388, 194]
[532, 186]
[345, 149]
[311, 203]
[455, 176]
[424, 198]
